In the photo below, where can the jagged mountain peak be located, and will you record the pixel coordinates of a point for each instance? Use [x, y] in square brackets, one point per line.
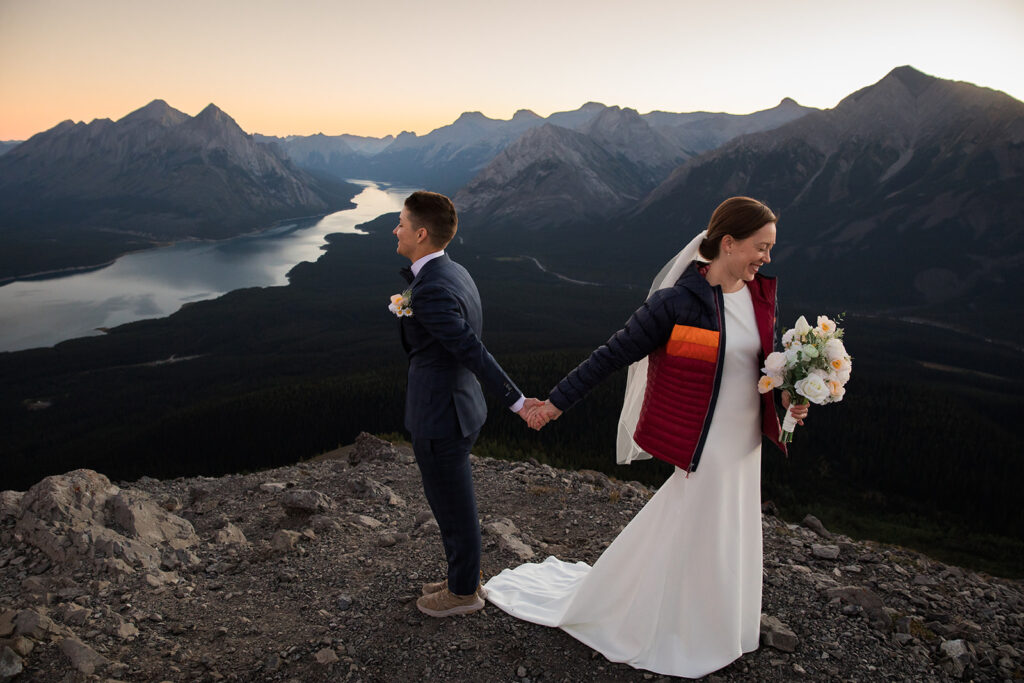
[616, 114]
[525, 115]
[157, 111]
[214, 120]
[915, 81]
[473, 117]
[904, 79]
[92, 161]
[213, 112]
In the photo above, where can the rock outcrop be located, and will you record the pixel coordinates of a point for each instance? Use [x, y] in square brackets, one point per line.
[310, 573]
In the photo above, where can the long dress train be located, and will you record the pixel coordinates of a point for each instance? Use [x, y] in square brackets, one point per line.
[678, 592]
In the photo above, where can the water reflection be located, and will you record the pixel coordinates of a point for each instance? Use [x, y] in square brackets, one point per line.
[157, 282]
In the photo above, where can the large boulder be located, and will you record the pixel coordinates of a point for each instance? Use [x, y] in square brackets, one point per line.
[143, 519]
[81, 517]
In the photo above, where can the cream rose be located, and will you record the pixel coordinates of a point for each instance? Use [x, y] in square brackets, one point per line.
[836, 390]
[775, 363]
[813, 388]
[834, 350]
[801, 327]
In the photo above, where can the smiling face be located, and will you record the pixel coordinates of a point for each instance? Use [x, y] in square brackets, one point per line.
[410, 239]
[743, 258]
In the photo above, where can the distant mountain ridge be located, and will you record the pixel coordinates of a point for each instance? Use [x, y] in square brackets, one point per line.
[449, 157]
[906, 194]
[547, 179]
[157, 174]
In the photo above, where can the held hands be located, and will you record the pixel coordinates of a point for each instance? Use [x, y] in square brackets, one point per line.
[537, 413]
[529, 406]
[541, 414]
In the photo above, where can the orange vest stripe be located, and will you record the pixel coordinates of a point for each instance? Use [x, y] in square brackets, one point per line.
[686, 349]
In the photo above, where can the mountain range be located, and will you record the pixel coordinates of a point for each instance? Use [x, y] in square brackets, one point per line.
[79, 194]
[450, 156]
[914, 178]
[905, 196]
[599, 162]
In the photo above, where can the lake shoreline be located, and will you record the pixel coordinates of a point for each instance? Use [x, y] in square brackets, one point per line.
[53, 305]
[86, 268]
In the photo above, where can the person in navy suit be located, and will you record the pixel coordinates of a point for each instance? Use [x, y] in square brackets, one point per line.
[441, 322]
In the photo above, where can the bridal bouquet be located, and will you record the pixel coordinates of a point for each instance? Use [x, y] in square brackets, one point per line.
[813, 368]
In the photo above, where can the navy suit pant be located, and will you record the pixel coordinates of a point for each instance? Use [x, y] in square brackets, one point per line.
[448, 485]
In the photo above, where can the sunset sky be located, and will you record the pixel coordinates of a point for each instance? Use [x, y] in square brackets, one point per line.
[383, 66]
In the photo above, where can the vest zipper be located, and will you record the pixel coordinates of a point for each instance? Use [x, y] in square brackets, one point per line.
[719, 304]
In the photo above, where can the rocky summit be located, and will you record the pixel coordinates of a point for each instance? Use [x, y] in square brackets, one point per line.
[311, 572]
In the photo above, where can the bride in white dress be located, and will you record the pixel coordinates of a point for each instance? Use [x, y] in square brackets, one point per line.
[679, 590]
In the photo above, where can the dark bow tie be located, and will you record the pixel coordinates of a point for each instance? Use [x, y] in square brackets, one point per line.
[407, 274]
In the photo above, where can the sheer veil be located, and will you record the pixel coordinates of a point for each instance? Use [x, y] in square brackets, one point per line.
[626, 449]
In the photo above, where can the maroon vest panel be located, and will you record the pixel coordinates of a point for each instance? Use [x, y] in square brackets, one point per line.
[675, 405]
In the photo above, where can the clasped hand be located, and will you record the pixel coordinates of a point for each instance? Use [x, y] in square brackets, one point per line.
[797, 410]
[537, 413]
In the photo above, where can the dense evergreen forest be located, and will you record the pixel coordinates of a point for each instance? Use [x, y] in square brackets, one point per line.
[920, 452]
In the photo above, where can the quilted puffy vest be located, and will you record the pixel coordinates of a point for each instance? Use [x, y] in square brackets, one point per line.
[683, 379]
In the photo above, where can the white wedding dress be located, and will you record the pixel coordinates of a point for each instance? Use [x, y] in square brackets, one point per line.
[678, 592]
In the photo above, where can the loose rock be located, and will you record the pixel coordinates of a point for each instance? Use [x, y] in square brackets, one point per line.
[776, 634]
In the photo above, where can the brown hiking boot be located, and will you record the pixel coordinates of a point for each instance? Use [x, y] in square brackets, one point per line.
[444, 603]
[429, 588]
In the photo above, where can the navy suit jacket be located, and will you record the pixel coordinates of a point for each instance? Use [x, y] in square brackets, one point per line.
[446, 356]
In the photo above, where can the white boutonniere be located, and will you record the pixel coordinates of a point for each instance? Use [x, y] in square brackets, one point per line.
[401, 304]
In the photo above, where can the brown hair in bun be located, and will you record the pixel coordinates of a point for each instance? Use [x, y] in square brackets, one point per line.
[740, 217]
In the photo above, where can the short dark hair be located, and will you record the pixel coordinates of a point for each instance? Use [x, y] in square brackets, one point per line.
[740, 217]
[436, 213]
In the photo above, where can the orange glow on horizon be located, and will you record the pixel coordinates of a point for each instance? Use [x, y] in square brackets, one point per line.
[377, 69]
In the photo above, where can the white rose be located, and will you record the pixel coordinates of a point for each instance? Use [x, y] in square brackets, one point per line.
[834, 349]
[775, 363]
[787, 337]
[802, 327]
[813, 388]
